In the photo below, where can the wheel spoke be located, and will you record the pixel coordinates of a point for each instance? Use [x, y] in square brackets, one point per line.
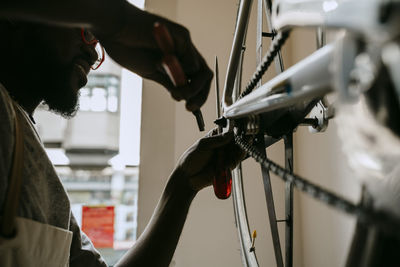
[270, 207]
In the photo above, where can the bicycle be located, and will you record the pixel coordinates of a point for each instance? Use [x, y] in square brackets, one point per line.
[274, 110]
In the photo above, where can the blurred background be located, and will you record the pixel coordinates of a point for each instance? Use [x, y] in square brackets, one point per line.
[121, 147]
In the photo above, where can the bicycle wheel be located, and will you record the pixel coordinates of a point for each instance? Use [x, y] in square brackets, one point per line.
[277, 124]
[264, 125]
[248, 253]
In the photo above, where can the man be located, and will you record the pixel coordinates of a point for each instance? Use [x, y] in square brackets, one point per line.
[50, 63]
[126, 32]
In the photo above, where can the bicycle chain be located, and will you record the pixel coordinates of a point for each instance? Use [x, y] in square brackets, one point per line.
[274, 48]
[386, 221]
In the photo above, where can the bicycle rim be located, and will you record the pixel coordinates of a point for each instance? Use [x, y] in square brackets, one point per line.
[248, 254]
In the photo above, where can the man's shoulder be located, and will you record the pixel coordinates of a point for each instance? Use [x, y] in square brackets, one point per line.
[7, 114]
[6, 140]
[5, 104]
[3, 92]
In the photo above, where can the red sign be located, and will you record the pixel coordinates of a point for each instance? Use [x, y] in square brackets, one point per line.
[98, 225]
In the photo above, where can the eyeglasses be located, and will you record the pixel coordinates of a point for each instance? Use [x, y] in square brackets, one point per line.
[90, 39]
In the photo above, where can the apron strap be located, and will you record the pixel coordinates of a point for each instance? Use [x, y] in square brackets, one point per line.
[7, 225]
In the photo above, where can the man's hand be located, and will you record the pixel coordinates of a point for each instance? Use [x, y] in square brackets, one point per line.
[134, 47]
[203, 160]
[126, 32]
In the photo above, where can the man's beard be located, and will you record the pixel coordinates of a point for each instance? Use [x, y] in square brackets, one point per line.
[46, 76]
[63, 100]
[53, 87]
[54, 81]
[58, 93]
[66, 109]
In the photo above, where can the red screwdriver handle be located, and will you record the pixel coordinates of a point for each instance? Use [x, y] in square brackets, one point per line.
[170, 63]
[222, 184]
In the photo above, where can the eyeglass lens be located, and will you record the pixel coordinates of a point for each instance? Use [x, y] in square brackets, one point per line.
[100, 56]
[90, 39]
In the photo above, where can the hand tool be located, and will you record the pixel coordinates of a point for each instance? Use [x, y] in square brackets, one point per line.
[171, 64]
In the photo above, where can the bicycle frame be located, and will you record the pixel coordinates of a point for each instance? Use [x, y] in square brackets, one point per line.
[340, 67]
[334, 14]
[322, 72]
[295, 82]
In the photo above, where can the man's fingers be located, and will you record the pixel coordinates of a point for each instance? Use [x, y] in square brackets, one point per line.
[190, 58]
[198, 85]
[147, 62]
[215, 141]
[194, 89]
[195, 102]
[163, 79]
[186, 52]
[233, 156]
[212, 132]
[196, 92]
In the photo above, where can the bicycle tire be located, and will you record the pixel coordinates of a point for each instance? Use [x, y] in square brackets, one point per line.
[238, 197]
[285, 121]
[248, 253]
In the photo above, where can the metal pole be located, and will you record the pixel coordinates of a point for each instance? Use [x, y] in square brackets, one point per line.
[259, 37]
[243, 19]
[321, 37]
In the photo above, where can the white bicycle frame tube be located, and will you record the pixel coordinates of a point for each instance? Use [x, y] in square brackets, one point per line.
[323, 71]
[234, 59]
[355, 15]
[309, 78]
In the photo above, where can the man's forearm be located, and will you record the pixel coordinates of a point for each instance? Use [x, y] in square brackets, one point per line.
[156, 245]
[101, 15]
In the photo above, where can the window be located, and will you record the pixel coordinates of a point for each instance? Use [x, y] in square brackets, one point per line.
[108, 177]
[100, 94]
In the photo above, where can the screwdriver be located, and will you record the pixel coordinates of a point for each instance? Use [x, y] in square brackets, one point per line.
[222, 181]
[171, 64]
[222, 184]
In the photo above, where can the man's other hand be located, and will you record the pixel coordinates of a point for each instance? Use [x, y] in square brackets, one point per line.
[132, 45]
[206, 158]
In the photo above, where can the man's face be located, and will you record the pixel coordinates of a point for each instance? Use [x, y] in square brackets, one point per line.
[53, 64]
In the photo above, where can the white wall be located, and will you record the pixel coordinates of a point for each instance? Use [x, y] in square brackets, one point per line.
[157, 135]
[325, 233]
[209, 237]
